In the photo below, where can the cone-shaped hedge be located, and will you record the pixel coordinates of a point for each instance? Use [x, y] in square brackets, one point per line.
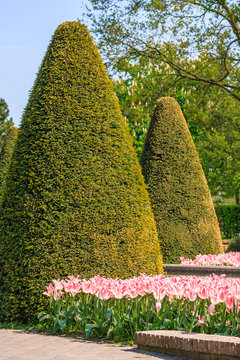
[75, 201]
[6, 154]
[181, 201]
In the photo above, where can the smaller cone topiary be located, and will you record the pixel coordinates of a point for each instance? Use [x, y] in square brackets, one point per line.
[6, 154]
[180, 197]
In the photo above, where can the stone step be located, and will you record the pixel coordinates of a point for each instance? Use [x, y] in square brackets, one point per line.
[189, 345]
[201, 270]
[225, 243]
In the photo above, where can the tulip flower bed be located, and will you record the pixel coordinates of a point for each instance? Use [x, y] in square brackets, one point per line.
[117, 308]
[229, 259]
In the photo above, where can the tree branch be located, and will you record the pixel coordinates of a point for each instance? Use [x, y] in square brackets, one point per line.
[184, 73]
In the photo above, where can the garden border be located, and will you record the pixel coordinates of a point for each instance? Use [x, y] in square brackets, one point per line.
[201, 270]
[189, 345]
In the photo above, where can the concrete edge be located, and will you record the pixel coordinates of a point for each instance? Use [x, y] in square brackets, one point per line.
[178, 269]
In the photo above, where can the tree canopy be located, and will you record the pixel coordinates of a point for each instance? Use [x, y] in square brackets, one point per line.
[212, 116]
[5, 121]
[140, 84]
[194, 49]
[158, 29]
[219, 148]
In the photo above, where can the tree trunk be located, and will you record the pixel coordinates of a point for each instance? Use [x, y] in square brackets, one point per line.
[237, 196]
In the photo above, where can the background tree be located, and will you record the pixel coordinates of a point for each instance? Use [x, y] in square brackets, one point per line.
[219, 148]
[199, 42]
[211, 114]
[5, 121]
[157, 29]
[140, 84]
[6, 153]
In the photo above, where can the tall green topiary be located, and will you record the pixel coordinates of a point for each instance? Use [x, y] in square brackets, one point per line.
[75, 200]
[178, 190]
[6, 153]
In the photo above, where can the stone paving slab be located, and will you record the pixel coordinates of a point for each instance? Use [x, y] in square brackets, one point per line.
[21, 345]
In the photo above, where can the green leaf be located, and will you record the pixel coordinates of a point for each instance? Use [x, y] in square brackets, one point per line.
[61, 323]
[108, 313]
[44, 316]
[89, 328]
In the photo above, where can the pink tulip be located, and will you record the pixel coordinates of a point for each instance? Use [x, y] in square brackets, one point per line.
[158, 306]
[229, 259]
[58, 284]
[229, 302]
[49, 291]
[214, 297]
[211, 309]
[201, 320]
[57, 294]
[192, 295]
[222, 296]
[203, 293]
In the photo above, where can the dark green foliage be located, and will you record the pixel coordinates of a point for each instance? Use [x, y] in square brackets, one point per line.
[5, 122]
[180, 198]
[234, 245]
[229, 220]
[6, 153]
[75, 201]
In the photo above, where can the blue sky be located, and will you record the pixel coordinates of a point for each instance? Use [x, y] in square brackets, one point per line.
[26, 28]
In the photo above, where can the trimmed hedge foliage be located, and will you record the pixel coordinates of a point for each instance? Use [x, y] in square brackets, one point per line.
[181, 201]
[229, 220]
[75, 201]
[6, 154]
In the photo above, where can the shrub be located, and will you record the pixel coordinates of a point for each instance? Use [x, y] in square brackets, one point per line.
[229, 220]
[75, 201]
[181, 201]
[234, 245]
[6, 153]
